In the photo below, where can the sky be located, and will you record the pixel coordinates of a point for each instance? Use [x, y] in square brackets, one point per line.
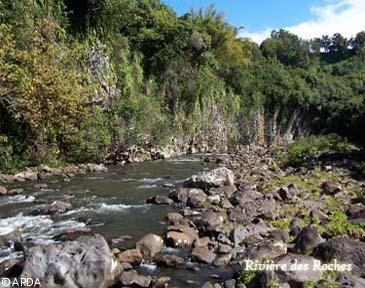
[306, 18]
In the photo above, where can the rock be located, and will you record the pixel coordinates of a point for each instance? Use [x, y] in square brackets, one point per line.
[214, 178]
[265, 249]
[224, 249]
[173, 217]
[344, 250]
[288, 193]
[150, 245]
[11, 268]
[330, 188]
[202, 242]
[8, 234]
[27, 175]
[203, 254]
[210, 220]
[41, 186]
[54, 208]
[317, 213]
[179, 239]
[180, 195]
[308, 239]
[208, 285]
[349, 281]
[295, 227]
[87, 262]
[126, 266]
[196, 198]
[224, 191]
[214, 199]
[241, 233]
[161, 282]
[222, 260]
[133, 279]
[296, 274]
[160, 200]
[131, 256]
[168, 260]
[244, 213]
[231, 283]
[15, 191]
[3, 190]
[356, 211]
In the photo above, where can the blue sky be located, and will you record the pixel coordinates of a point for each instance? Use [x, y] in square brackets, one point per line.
[307, 18]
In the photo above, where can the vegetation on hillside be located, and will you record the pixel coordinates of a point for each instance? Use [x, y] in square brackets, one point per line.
[78, 78]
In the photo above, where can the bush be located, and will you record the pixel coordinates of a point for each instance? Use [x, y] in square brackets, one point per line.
[311, 147]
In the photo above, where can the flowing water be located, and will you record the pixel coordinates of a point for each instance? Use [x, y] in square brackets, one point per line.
[115, 205]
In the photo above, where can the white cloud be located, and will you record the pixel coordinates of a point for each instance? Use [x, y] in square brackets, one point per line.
[346, 17]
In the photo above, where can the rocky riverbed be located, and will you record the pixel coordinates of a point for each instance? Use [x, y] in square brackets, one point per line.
[245, 207]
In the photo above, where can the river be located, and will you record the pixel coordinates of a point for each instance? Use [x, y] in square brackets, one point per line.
[115, 205]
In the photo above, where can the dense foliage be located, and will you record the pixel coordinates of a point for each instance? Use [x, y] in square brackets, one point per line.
[81, 78]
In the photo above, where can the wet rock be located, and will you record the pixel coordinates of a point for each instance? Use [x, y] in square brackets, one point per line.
[150, 245]
[344, 250]
[27, 175]
[241, 233]
[16, 191]
[41, 186]
[169, 260]
[203, 254]
[297, 275]
[350, 281]
[161, 282]
[131, 256]
[308, 239]
[9, 234]
[87, 262]
[56, 207]
[179, 239]
[96, 168]
[180, 195]
[160, 200]
[196, 198]
[3, 190]
[214, 178]
[331, 188]
[133, 279]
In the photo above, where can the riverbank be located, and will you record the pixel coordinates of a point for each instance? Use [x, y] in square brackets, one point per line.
[250, 207]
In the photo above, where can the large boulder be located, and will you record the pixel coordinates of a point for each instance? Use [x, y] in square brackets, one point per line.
[214, 178]
[265, 207]
[298, 269]
[308, 239]
[241, 233]
[344, 250]
[196, 198]
[179, 239]
[150, 245]
[85, 263]
[203, 254]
